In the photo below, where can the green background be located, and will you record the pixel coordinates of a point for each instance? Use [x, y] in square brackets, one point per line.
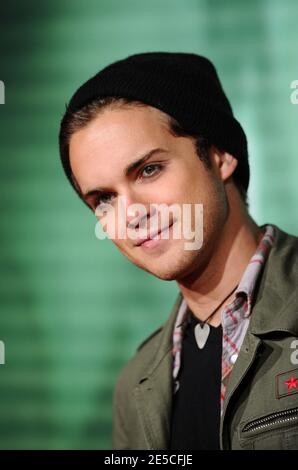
[73, 310]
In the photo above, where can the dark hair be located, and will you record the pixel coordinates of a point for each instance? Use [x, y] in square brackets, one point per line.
[74, 121]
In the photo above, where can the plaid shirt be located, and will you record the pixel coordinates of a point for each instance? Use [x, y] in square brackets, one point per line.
[234, 316]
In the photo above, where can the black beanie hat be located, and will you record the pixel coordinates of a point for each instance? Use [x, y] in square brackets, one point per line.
[185, 86]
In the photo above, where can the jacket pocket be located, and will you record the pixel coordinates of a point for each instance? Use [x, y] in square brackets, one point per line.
[277, 430]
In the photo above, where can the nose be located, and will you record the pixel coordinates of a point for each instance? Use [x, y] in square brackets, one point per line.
[133, 208]
[137, 215]
[137, 222]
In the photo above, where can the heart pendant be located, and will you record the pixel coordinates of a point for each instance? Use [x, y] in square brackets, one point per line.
[201, 334]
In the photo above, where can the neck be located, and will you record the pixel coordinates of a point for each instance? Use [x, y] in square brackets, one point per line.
[231, 252]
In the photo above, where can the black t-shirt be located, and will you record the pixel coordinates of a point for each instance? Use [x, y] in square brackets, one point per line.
[196, 404]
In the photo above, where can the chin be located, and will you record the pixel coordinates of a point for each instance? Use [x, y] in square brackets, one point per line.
[168, 276]
[171, 265]
[171, 271]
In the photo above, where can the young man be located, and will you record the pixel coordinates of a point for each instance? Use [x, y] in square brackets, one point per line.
[156, 130]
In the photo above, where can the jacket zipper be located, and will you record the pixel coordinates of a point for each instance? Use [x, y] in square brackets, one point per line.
[280, 417]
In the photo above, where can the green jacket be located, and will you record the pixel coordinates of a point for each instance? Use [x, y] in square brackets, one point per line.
[260, 408]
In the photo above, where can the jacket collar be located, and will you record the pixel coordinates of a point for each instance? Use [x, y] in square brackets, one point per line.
[276, 305]
[274, 310]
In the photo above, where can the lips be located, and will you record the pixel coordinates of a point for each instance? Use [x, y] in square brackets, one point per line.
[155, 236]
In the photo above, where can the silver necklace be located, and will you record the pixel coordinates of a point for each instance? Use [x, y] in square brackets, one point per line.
[202, 329]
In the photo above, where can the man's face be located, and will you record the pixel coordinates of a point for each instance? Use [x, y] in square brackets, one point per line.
[169, 172]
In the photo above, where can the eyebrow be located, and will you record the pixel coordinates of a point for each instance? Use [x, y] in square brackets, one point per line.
[130, 168]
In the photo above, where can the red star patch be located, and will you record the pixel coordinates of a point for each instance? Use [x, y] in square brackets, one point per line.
[292, 383]
[286, 383]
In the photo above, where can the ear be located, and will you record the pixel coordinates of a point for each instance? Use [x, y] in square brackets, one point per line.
[225, 163]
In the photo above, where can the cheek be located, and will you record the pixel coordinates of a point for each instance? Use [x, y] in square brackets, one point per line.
[171, 190]
[186, 185]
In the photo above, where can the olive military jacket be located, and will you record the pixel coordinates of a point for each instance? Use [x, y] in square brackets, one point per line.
[261, 403]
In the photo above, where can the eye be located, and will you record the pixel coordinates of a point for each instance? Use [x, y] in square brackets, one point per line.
[103, 198]
[150, 170]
